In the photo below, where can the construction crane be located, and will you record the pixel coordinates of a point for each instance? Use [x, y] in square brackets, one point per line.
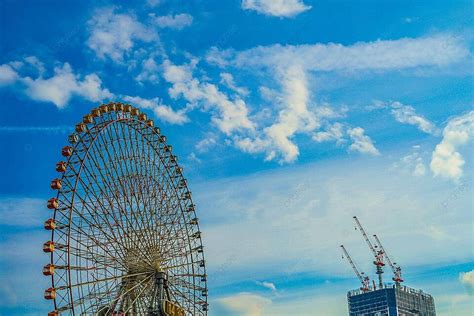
[364, 280]
[397, 271]
[378, 255]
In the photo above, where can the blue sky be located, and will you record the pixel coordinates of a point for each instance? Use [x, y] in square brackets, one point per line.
[289, 117]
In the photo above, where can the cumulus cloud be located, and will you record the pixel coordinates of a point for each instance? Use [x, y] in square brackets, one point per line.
[446, 161]
[7, 75]
[59, 88]
[361, 143]
[113, 35]
[245, 304]
[178, 21]
[380, 55]
[279, 8]
[163, 112]
[334, 132]
[406, 114]
[228, 115]
[467, 278]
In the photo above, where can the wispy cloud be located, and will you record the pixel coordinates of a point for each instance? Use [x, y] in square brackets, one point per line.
[228, 115]
[163, 112]
[268, 285]
[244, 304]
[406, 114]
[381, 55]
[35, 129]
[178, 21]
[278, 8]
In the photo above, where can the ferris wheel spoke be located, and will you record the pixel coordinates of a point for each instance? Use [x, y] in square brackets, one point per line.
[107, 246]
[180, 294]
[121, 293]
[139, 170]
[99, 226]
[111, 228]
[103, 280]
[138, 296]
[116, 221]
[131, 171]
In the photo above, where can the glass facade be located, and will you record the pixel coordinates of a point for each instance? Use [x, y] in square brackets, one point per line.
[391, 301]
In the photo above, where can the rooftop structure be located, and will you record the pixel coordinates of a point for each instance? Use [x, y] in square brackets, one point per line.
[390, 300]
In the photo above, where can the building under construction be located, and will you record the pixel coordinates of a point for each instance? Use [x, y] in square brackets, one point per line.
[380, 299]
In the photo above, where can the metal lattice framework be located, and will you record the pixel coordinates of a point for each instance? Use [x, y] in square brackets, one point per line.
[123, 219]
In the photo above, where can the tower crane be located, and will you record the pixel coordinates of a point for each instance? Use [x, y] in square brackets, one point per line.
[397, 271]
[364, 280]
[378, 255]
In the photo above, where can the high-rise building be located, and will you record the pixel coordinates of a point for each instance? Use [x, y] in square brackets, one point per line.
[391, 300]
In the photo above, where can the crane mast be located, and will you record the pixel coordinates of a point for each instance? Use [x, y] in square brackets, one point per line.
[397, 271]
[364, 280]
[378, 255]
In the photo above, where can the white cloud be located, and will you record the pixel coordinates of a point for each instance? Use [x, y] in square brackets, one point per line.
[228, 80]
[435, 51]
[178, 21]
[292, 67]
[276, 140]
[8, 75]
[467, 278]
[268, 285]
[205, 144]
[406, 114]
[114, 35]
[57, 89]
[228, 115]
[36, 63]
[361, 142]
[412, 162]
[164, 112]
[279, 8]
[295, 117]
[65, 84]
[149, 71]
[334, 132]
[245, 304]
[446, 161]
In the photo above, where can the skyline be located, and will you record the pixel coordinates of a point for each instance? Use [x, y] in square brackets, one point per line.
[289, 117]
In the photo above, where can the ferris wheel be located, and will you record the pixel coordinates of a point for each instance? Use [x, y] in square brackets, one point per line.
[125, 238]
